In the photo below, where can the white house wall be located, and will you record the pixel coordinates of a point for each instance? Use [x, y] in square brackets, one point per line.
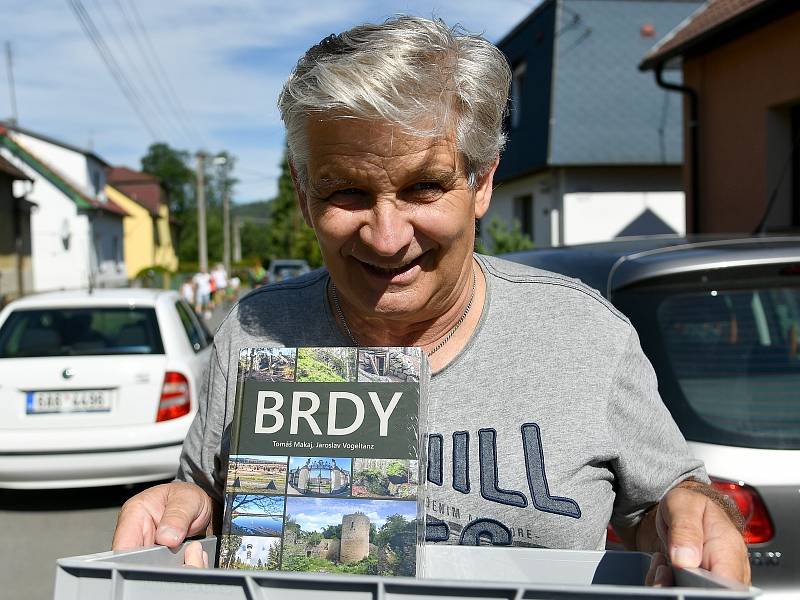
[59, 240]
[600, 216]
[69, 162]
[64, 252]
[54, 219]
[545, 207]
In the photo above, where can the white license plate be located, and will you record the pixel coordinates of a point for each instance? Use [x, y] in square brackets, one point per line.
[68, 401]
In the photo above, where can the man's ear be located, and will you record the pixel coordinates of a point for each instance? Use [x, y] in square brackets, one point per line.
[302, 199]
[483, 193]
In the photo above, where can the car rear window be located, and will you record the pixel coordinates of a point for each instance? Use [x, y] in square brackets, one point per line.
[727, 358]
[80, 331]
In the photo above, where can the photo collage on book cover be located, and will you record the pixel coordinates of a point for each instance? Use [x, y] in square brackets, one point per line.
[320, 513]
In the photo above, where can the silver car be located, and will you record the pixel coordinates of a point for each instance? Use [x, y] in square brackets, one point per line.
[720, 321]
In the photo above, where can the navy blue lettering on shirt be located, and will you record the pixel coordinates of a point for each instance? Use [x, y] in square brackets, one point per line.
[486, 528]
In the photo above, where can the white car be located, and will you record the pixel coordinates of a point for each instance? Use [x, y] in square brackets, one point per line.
[97, 388]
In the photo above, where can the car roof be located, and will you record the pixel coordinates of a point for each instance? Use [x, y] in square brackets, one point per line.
[609, 266]
[96, 297]
[288, 261]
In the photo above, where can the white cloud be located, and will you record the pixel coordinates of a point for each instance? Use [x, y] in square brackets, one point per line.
[227, 62]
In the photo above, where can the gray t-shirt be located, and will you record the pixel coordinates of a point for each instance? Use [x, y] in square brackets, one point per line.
[547, 425]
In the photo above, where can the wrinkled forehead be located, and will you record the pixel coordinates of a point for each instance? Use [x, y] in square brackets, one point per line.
[349, 143]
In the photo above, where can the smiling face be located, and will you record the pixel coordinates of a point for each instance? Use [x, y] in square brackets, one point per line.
[394, 216]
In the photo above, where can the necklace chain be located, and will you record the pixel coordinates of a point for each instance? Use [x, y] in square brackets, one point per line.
[436, 348]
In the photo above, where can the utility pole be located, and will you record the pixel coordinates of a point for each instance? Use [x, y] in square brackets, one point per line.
[222, 161]
[202, 244]
[237, 239]
[11, 90]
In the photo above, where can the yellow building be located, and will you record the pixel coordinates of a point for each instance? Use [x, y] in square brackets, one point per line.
[147, 231]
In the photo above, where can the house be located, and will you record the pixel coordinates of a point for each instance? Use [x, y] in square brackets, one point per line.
[148, 234]
[16, 272]
[741, 83]
[76, 231]
[594, 146]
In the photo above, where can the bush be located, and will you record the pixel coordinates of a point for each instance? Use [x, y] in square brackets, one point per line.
[396, 469]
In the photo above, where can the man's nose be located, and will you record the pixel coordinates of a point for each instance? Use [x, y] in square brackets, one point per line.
[387, 230]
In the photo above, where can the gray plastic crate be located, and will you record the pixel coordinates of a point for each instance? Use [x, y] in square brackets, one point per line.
[157, 573]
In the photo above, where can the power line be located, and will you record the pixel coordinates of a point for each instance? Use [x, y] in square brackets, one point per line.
[161, 77]
[149, 96]
[117, 74]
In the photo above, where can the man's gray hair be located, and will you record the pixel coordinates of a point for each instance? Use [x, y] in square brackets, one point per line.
[413, 72]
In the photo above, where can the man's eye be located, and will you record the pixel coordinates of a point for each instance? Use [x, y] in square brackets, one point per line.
[425, 187]
[346, 193]
[346, 197]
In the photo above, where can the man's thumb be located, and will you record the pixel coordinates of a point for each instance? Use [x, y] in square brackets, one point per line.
[186, 512]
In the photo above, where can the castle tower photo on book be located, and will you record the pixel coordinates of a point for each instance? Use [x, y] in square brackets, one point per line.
[323, 468]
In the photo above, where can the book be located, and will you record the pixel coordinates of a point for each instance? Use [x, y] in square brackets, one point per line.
[324, 463]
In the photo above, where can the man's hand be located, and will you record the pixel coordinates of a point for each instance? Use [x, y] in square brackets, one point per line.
[165, 514]
[695, 531]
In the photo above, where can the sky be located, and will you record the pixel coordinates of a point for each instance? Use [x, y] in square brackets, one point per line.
[314, 514]
[207, 74]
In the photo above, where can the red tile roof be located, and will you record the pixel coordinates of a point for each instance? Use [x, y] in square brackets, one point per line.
[121, 175]
[713, 18]
[142, 188]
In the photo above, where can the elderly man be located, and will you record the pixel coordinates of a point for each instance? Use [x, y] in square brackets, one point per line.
[394, 134]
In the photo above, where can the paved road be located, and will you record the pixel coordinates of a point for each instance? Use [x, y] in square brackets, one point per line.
[37, 527]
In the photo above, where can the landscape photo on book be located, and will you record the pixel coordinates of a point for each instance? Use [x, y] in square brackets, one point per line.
[385, 478]
[256, 474]
[323, 472]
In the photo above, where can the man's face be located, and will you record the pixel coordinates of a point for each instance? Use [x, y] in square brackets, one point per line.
[393, 214]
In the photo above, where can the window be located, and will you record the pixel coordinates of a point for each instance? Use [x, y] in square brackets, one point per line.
[727, 358]
[523, 214]
[198, 335]
[80, 332]
[517, 88]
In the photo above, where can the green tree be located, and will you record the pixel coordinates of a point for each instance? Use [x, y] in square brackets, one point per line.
[287, 235]
[291, 524]
[313, 537]
[332, 532]
[273, 557]
[171, 166]
[398, 539]
[228, 547]
[502, 239]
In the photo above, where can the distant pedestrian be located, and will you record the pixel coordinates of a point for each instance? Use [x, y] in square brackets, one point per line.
[219, 278]
[202, 286]
[187, 291]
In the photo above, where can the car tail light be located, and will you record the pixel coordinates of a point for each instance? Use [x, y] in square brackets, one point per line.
[757, 523]
[611, 536]
[175, 400]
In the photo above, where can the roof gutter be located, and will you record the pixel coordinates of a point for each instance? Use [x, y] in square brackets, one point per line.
[694, 140]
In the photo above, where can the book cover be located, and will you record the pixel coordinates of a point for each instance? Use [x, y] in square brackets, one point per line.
[324, 464]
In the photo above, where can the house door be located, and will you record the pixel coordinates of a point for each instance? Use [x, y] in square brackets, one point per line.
[542, 221]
